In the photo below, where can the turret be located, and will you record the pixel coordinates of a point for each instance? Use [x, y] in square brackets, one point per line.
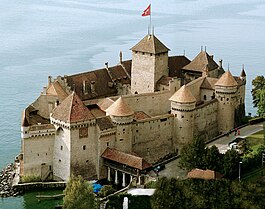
[24, 126]
[182, 107]
[122, 115]
[243, 75]
[226, 93]
[149, 64]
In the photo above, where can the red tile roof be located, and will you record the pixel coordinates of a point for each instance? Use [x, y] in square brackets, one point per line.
[183, 95]
[150, 44]
[101, 80]
[72, 109]
[204, 174]
[105, 103]
[30, 117]
[175, 65]
[125, 159]
[209, 83]
[56, 89]
[105, 123]
[226, 80]
[119, 75]
[164, 80]
[140, 115]
[120, 108]
[200, 61]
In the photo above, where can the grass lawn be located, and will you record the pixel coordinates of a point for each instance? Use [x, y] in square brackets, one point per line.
[255, 140]
[254, 175]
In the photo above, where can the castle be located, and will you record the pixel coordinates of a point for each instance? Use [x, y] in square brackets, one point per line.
[115, 122]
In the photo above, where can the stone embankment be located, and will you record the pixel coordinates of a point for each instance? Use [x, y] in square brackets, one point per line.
[6, 181]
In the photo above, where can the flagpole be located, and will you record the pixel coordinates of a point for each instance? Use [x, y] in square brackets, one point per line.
[150, 20]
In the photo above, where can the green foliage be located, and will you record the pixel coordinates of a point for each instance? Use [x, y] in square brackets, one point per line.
[231, 163]
[258, 94]
[150, 185]
[216, 194]
[193, 155]
[168, 194]
[213, 159]
[106, 190]
[30, 178]
[136, 202]
[252, 160]
[197, 155]
[79, 194]
[115, 202]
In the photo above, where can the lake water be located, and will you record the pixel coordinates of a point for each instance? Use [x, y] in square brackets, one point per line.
[60, 37]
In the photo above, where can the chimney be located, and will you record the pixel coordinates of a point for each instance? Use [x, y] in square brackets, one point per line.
[211, 56]
[106, 65]
[49, 80]
[44, 90]
[120, 57]
[84, 87]
[93, 87]
[220, 63]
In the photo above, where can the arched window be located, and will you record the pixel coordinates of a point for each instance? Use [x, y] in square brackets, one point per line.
[204, 97]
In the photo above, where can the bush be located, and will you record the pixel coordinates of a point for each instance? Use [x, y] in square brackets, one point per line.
[151, 185]
[30, 178]
[256, 120]
[106, 190]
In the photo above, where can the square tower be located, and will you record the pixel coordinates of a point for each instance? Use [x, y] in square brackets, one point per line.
[149, 64]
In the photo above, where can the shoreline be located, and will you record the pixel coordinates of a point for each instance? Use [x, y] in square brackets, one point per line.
[7, 176]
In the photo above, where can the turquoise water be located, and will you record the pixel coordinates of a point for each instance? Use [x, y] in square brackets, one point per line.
[58, 37]
[29, 201]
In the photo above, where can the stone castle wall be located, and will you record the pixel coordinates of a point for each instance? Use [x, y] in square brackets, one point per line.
[37, 150]
[206, 120]
[152, 138]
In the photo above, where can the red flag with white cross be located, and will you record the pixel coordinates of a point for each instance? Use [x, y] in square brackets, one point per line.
[147, 11]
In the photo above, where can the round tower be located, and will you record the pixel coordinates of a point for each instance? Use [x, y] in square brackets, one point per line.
[226, 94]
[243, 86]
[24, 126]
[182, 107]
[122, 115]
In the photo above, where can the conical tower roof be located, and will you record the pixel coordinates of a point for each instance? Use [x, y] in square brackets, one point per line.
[183, 95]
[243, 73]
[226, 80]
[24, 120]
[120, 108]
[200, 61]
[150, 44]
[71, 110]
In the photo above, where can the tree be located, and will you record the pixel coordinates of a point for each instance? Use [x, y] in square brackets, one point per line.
[168, 194]
[78, 194]
[231, 163]
[258, 94]
[214, 159]
[193, 155]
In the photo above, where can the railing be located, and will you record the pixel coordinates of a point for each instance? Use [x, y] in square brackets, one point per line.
[123, 168]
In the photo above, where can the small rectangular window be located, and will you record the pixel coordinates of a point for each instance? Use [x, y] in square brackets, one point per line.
[61, 147]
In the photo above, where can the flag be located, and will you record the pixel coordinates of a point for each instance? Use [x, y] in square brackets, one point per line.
[147, 11]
